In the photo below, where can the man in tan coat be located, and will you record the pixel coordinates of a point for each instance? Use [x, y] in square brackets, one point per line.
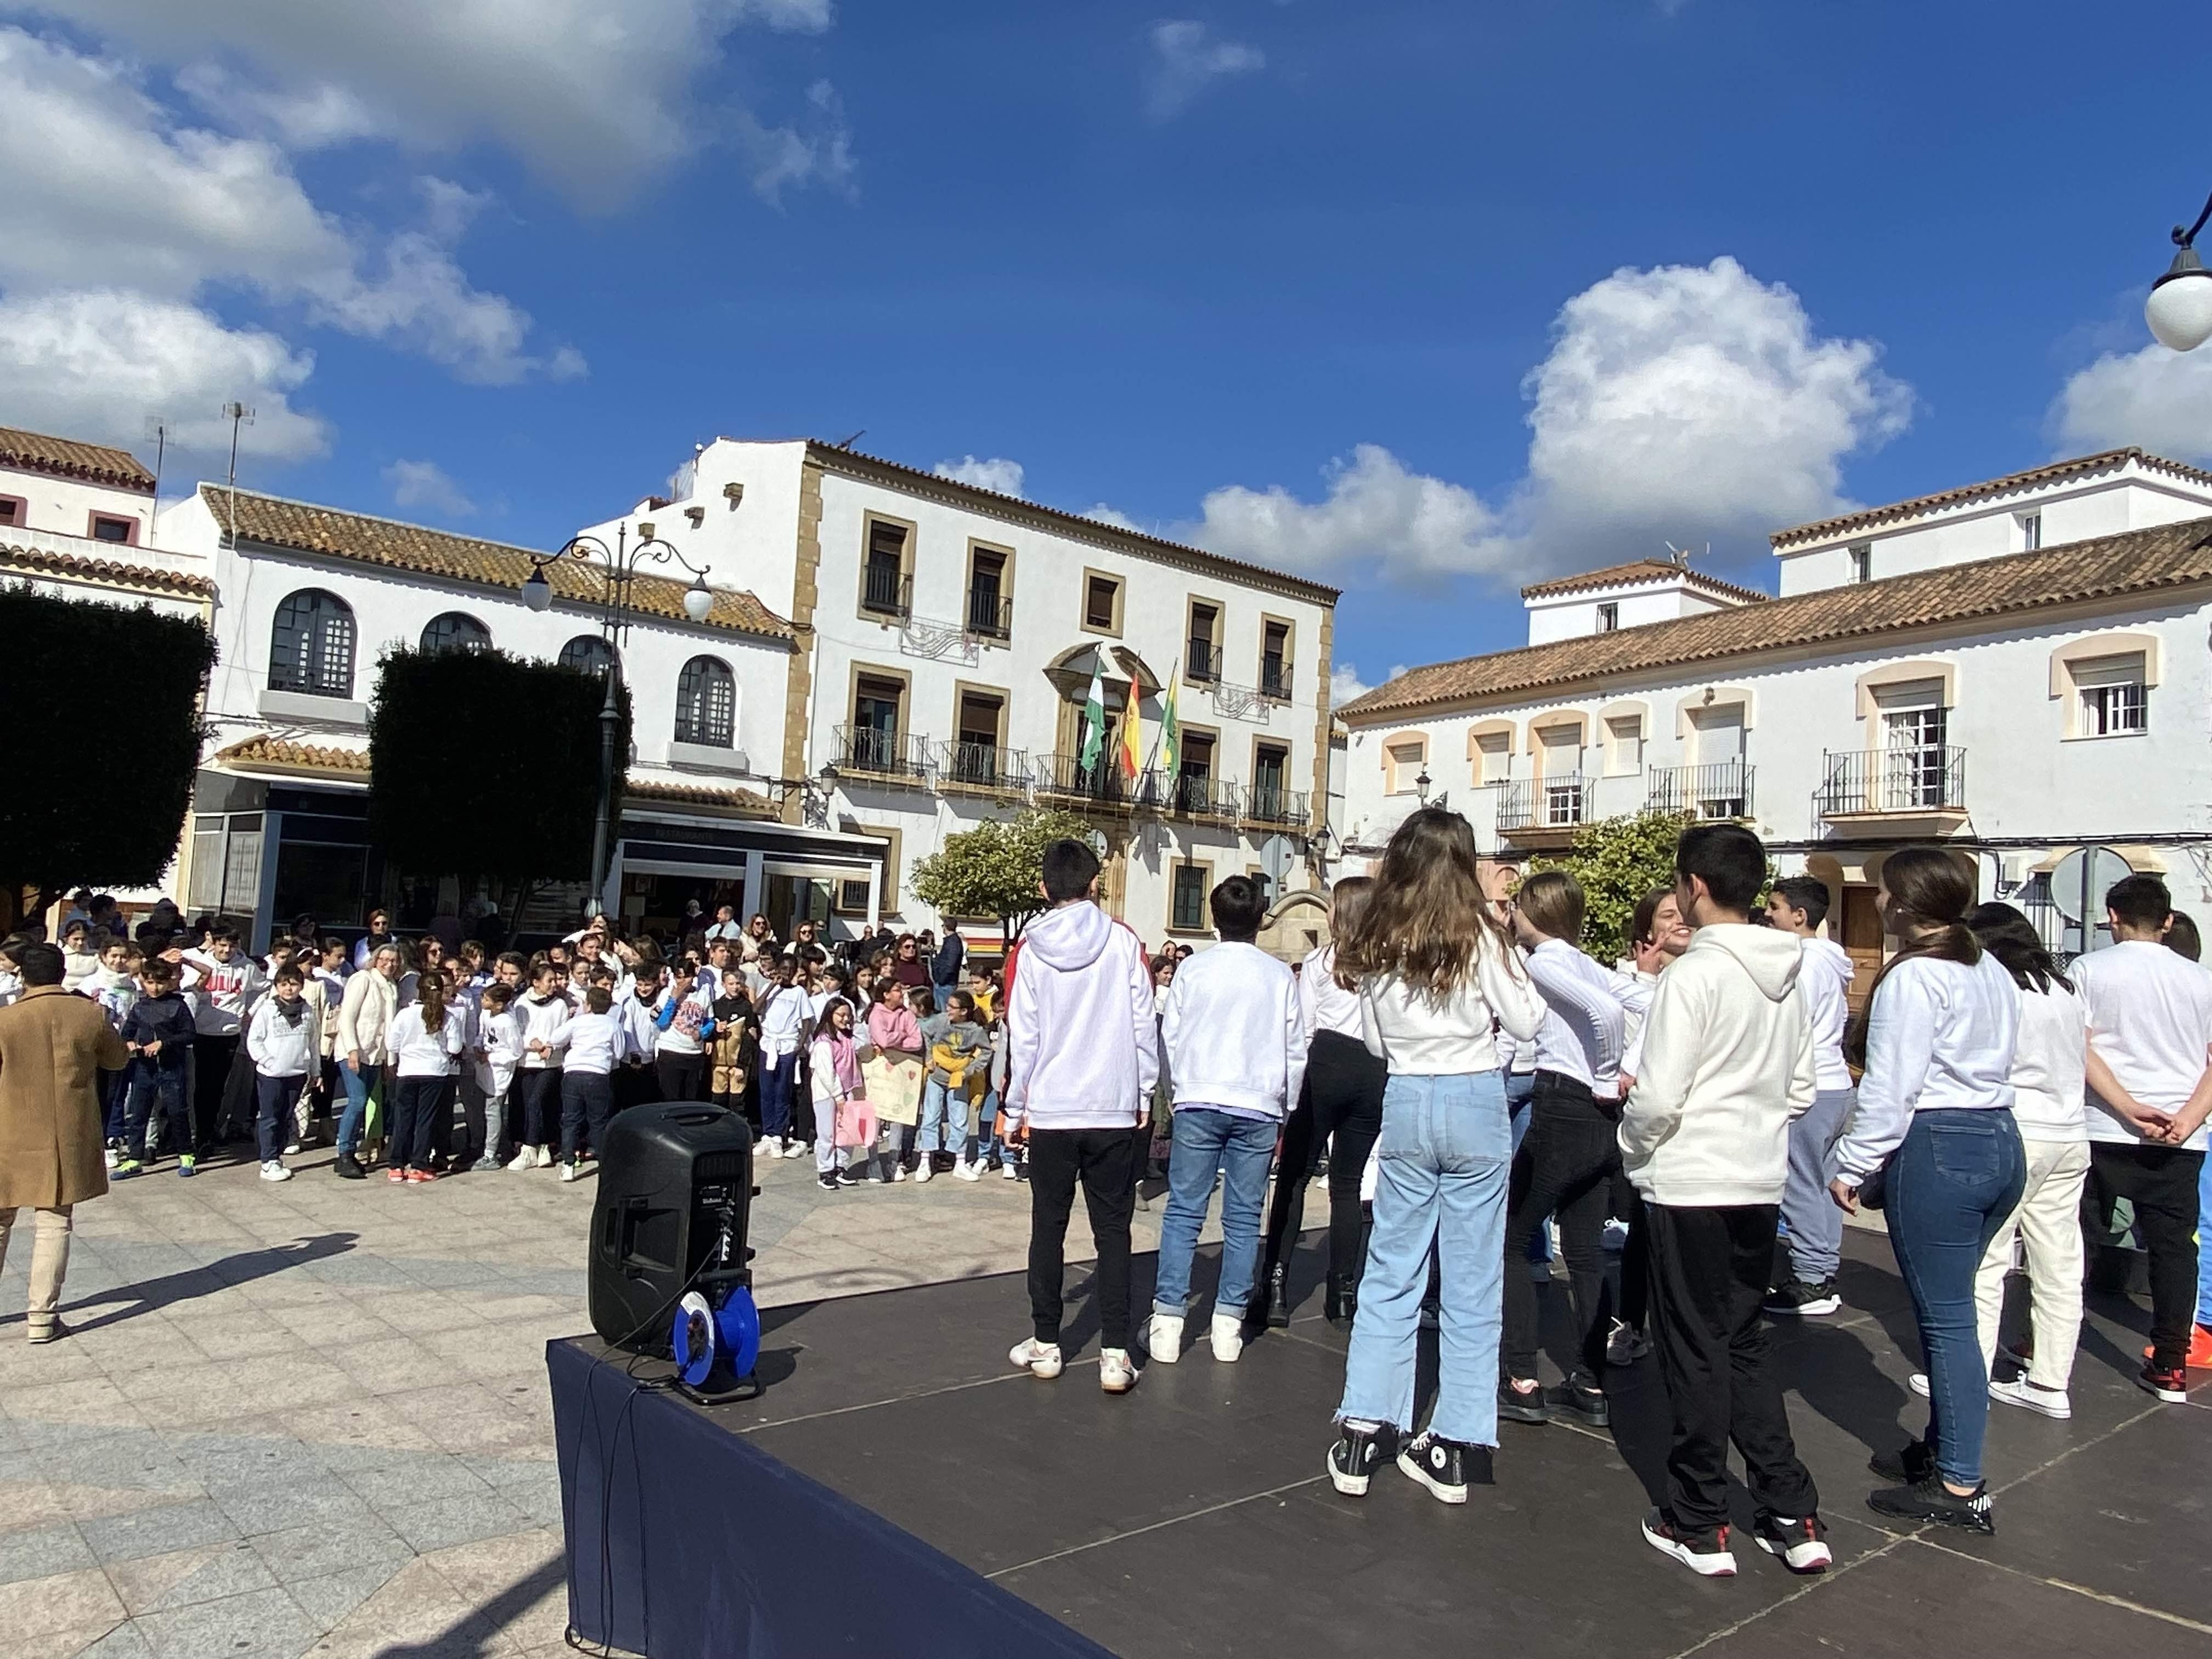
[53, 1045]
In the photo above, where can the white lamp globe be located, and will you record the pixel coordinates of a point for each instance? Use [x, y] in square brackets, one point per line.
[698, 601]
[537, 592]
[2179, 309]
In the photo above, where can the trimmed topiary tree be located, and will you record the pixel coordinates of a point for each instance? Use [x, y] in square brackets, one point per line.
[101, 741]
[993, 869]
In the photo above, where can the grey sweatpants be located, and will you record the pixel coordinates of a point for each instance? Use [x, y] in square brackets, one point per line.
[1816, 1225]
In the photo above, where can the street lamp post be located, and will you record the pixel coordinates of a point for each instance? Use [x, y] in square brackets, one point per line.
[618, 569]
[2179, 308]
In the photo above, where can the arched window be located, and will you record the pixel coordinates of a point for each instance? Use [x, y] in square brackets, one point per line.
[456, 632]
[707, 704]
[587, 653]
[312, 649]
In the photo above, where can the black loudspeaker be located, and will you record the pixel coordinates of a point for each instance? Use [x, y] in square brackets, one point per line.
[675, 1193]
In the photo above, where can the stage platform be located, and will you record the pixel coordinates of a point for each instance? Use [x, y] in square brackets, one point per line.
[1192, 1517]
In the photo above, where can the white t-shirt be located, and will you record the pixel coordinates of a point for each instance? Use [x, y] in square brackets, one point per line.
[2150, 1020]
[2047, 1057]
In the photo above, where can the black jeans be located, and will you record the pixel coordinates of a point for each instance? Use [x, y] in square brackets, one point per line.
[539, 1093]
[679, 1075]
[1564, 1167]
[415, 1103]
[2162, 1183]
[1709, 1268]
[1105, 1161]
[1343, 1099]
[585, 1098]
[213, 1058]
[276, 1097]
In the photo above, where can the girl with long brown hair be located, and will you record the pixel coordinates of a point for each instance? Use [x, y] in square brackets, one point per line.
[1435, 974]
[426, 1042]
[1934, 1114]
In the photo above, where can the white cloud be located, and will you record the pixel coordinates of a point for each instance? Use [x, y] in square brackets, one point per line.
[99, 364]
[996, 473]
[1186, 59]
[591, 95]
[1112, 515]
[1685, 401]
[424, 485]
[1404, 523]
[1345, 684]
[2155, 398]
[783, 158]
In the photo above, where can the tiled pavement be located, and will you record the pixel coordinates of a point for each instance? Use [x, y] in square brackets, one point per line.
[312, 1418]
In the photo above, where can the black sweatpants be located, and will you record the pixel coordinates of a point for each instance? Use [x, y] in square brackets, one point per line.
[680, 1075]
[214, 1058]
[1105, 1161]
[1709, 1268]
[2162, 1183]
[1564, 1167]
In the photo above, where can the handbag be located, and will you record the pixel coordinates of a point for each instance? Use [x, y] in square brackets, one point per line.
[856, 1123]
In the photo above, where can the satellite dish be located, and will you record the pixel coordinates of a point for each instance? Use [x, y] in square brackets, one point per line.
[2082, 879]
[1276, 856]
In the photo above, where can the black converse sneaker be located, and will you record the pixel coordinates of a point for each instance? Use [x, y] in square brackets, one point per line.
[1705, 1554]
[1441, 1465]
[1353, 1459]
[1795, 1299]
[1801, 1544]
[1929, 1499]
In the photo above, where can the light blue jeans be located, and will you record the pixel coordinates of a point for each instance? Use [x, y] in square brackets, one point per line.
[358, 1087]
[1441, 1170]
[945, 1126]
[1241, 1148]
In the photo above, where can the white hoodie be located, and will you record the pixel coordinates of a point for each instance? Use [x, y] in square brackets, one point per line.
[1727, 1063]
[1826, 974]
[1233, 1031]
[279, 1046]
[1082, 1052]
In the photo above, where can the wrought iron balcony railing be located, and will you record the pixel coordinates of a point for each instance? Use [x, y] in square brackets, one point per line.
[1719, 789]
[1928, 778]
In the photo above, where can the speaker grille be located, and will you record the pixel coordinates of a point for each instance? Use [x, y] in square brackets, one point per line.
[718, 1166]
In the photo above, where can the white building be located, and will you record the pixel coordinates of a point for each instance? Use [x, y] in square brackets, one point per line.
[946, 639]
[2015, 668]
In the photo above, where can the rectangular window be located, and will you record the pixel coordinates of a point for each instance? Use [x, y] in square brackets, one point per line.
[1609, 617]
[1559, 751]
[990, 609]
[105, 528]
[1202, 652]
[852, 896]
[1623, 744]
[876, 704]
[1275, 660]
[1195, 786]
[2030, 532]
[1102, 603]
[975, 754]
[1493, 757]
[883, 576]
[1915, 734]
[1719, 734]
[2114, 702]
[1403, 763]
[11, 510]
[1270, 767]
[1861, 557]
[1189, 911]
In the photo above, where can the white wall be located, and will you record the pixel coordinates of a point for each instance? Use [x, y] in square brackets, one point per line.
[1574, 616]
[65, 506]
[752, 546]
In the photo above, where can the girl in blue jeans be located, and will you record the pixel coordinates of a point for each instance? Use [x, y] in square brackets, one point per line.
[1935, 1116]
[1435, 974]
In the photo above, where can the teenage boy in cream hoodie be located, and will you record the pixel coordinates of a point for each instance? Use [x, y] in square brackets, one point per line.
[1235, 1047]
[1082, 1056]
[1727, 1064]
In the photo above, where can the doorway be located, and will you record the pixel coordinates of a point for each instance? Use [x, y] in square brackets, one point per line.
[1862, 941]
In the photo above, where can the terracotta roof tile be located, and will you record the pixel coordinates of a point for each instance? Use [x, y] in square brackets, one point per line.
[47, 560]
[34, 452]
[263, 750]
[2105, 460]
[272, 522]
[1635, 572]
[694, 794]
[2135, 562]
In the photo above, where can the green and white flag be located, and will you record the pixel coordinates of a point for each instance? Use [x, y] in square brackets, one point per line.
[1171, 743]
[1094, 715]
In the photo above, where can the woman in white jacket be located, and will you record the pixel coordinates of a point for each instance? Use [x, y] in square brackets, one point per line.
[281, 1042]
[1435, 974]
[365, 1012]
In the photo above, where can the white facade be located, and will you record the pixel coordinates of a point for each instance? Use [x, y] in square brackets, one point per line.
[950, 635]
[1656, 592]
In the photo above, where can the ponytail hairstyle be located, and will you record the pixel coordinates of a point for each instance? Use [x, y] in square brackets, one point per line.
[1929, 897]
[430, 996]
[2011, 938]
[1427, 915]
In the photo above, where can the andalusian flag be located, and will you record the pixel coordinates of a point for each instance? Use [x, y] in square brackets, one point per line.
[1132, 757]
[1094, 715]
[1170, 746]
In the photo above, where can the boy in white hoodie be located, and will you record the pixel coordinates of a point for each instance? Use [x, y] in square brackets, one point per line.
[1727, 1063]
[1082, 1055]
[1798, 905]
[1235, 1047]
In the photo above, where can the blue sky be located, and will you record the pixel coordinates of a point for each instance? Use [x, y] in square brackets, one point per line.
[1427, 300]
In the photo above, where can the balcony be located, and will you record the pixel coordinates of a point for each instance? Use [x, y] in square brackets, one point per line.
[869, 751]
[886, 591]
[1547, 811]
[1275, 677]
[1272, 803]
[989, 616]
[984, 768]
[1191, 795]
[1068, 778]
[1201, 662]
[1719, 790]
[1893, 792]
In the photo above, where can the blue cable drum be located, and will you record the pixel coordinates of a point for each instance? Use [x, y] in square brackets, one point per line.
[738, 1327]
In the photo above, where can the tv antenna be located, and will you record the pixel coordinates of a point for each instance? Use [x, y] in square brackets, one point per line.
[846, 443]
[239, 416]
[157, 434]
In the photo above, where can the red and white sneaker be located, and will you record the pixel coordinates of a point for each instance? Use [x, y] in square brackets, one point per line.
[1705, 1554]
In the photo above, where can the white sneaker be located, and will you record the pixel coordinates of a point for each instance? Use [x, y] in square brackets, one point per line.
[795, 1148]
[293, 1148]
[544, 1159]
[1010, 1170]
[1164, 1338]
[898, 1173]
[524, 1159]
[968, 1170]
[112, 1156]
[2048, 1402]
[1115, 1374]
[272, 1170]
[569, 1171]
[1040, 1359]
[1228, 1337]
[924, 1169]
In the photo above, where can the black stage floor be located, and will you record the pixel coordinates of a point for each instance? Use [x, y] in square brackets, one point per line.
[1192, 1516]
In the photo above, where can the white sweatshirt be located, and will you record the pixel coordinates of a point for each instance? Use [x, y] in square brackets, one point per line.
[419, 1053]
[2049, 1098]
[1420, 1036]
[1727, 1063]
[1826, 977]
[1233, 1032]
[1082, 1050]
[545, 1022]
[279, 1046]
[1939, 1039]
[597, 1044]
[224, 992]
[1585, 1032]
[2150, 1020]
[821, 1070]
[640, 1024]
[500, 1038]
[1323, 1004]
[783, 1020]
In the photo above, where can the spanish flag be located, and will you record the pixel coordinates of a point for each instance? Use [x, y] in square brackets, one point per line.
[1131, 750]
